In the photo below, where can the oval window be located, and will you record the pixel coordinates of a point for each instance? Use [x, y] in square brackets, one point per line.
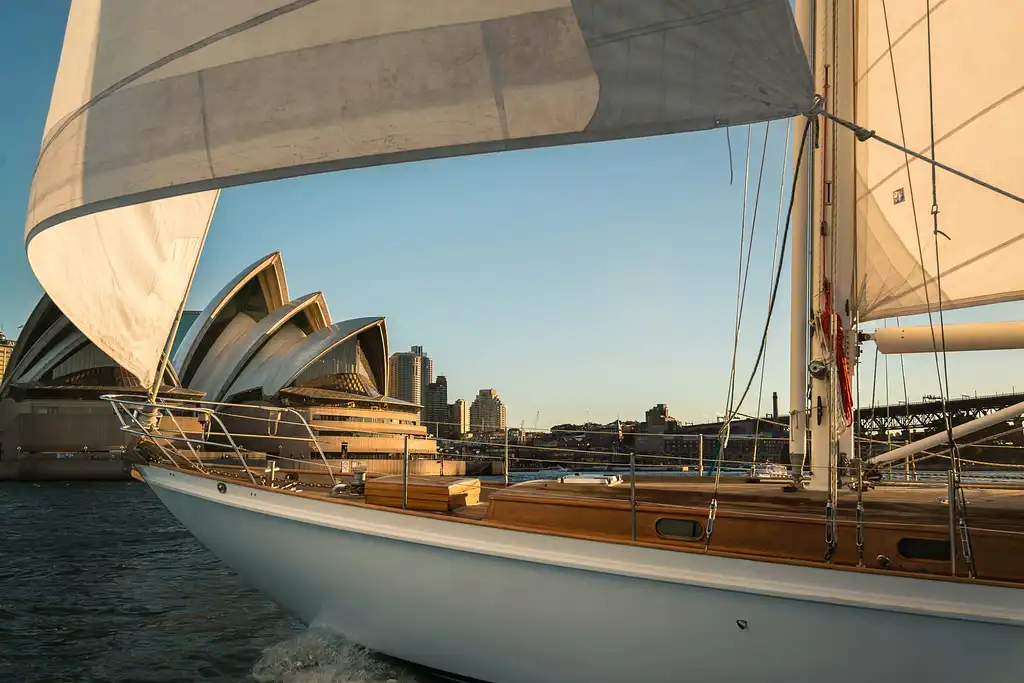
[924, 549]
[686, 529]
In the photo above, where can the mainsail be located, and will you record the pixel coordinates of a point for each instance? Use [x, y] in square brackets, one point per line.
[158, 103]
[976, 87]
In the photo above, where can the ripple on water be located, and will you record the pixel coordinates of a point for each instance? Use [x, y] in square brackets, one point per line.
[100, 584]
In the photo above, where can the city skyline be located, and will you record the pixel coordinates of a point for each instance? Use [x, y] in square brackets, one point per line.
[586, 282]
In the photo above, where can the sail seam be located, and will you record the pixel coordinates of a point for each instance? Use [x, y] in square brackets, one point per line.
[164, 61]
[908, 289]
[664, 26]
[206, 128]
[899, 39]
[497, 77]
[959, 127]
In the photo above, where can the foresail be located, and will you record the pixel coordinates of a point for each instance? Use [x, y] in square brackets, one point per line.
[978, 109]
[160, 98]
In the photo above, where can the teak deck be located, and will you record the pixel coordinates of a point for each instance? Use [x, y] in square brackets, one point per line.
[905, 527]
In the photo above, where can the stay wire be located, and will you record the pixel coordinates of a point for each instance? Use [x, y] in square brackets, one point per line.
[771, 309]
[775, 253]
[778, 276]
[913, 209]
[961, 502]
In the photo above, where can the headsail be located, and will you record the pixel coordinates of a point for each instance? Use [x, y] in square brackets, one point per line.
[160, 98]
[978, 108]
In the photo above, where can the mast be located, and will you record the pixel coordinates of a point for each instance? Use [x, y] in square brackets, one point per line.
[845, 201]
[833, 246]
[798, 308]
[819, 414]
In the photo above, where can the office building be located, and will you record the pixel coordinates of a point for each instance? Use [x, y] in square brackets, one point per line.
[410, 373]
[458, 418]
[435, 407]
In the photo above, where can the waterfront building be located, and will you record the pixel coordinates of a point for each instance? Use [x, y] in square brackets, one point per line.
[458, 418]
[652, 441]
[53, 421]
[487, 414]
[435, 407]
[252, 344]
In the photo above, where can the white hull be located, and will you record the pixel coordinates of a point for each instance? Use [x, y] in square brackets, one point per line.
[514, 607]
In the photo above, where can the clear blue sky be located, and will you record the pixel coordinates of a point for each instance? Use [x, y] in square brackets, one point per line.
[583, 282]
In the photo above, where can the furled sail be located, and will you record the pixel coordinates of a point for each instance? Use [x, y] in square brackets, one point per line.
[977, 85]
[159, 102]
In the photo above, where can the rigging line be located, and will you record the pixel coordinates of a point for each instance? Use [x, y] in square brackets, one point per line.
[961, 502]
[944, 376]
[778, 270]
[740, 282]
[863, 134]
[858, 425]
[906, 398]
[723, 434]
[764, 336]
[913, 208]
[888, 415]
[775, 253]
[753, 221]
[874, 386]
[728, 145]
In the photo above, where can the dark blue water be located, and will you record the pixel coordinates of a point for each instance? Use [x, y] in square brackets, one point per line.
[99, 583]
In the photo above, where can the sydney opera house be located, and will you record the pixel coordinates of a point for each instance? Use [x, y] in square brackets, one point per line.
[251, 346]
[53, 423]
[254, 345]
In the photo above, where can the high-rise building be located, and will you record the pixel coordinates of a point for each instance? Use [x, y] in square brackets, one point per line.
[6, 349]
[435, 407]
[410, 373]
[426, 368]
[487, 414]
[458, 419]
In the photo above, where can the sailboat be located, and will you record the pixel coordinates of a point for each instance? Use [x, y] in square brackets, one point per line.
[155, 109]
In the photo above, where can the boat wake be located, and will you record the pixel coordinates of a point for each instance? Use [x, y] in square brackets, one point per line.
[320, 656]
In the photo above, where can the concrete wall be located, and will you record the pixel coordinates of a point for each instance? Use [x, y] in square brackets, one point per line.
[62, 440]
[50, 426]
[72, 467]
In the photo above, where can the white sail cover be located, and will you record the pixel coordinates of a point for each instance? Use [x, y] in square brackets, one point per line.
[158, 102]
[977, 50]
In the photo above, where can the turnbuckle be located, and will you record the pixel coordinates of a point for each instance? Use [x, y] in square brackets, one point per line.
[830, 531]
[711, 523]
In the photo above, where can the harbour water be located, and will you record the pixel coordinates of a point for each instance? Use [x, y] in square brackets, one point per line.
[100, 584]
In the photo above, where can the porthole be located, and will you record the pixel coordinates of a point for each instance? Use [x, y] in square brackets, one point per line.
[685, 529]
[924, 549]
[222, 487]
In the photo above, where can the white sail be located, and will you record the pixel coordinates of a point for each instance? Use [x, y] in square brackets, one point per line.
[160, 98]
[978, 108]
